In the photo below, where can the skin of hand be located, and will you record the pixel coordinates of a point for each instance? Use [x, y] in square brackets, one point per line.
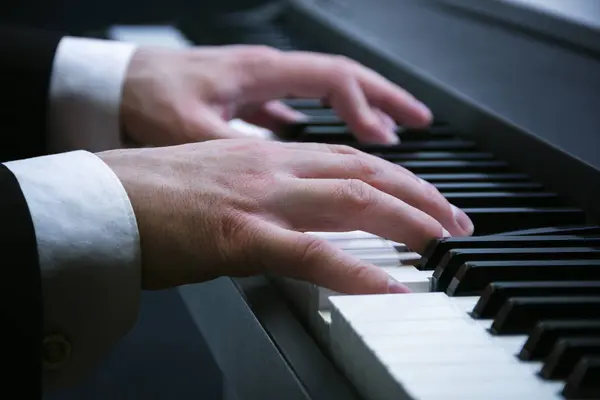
[183, 96]
[239, 207]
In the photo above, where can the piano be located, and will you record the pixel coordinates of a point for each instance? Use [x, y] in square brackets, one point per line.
[510, 313]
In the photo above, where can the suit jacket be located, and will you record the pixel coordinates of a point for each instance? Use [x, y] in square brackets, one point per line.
[58, 265]
[77, 17]
[25, 68]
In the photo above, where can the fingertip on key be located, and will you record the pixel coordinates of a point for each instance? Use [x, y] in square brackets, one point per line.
[463, 221]
[424, 112]
[396, 287]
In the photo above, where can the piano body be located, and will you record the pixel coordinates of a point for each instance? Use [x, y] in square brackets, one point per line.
[512, 313]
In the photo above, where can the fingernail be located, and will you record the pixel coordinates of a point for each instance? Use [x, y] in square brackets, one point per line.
[298, 116]
[391, 137]
[388, 122]
[396, 287]
[445, 233]
[462, 220]
[423, 110]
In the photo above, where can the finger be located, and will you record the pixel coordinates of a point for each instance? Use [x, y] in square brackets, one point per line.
[210, 126]
[386, 120]
[386, 177]
[291, 75]
[336, 205]
[302, 256]
[350, 88]
[274, 116]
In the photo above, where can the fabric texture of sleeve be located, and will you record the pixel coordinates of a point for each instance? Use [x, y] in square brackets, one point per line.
[89, 257]
[85, 94]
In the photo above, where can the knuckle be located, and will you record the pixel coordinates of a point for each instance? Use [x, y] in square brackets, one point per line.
[359, 271]
[257, 55]
[345, 63]
[310, 247]
[357, 194]
[364, 168]
[341, 149]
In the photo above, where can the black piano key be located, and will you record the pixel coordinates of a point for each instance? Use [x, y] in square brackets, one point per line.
[544, 336]
[439, 247]
[584, 381]
[434, 132]
[473, 277]
[519, 315]
[457, 145]
[453, 166]
[433, 156]
[567, 353]
[474, 177]
[455, 258]
[496, 220]
[334, 127]
[503, 199]
[456, 187]
[577, 230]
[495, 294]
[300, 104]
[318, 112]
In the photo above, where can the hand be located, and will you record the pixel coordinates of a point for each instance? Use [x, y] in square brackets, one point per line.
[239, 207]
[181, 96]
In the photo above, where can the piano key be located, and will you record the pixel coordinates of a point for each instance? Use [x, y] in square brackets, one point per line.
[383, 258]
[496, 294]
[453, 166]
[503, 199]
[458, 145]
[473, 277]
[455, 258]
[577, 230]
[439, 247]
[520, 314]
[335, 130]
[473, 177]
[434, 156]
[501, 219]
[445, 187]
[544, 336]
[384, 344]
[301, 103]
[567, 353]
[584, 381]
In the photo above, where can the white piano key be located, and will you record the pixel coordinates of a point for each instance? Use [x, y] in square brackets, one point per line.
[361, 244]
[251, 130]
[154, 35]
[345, 235]
[402, 353]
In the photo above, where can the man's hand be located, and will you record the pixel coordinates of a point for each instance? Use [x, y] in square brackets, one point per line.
[239, 207]
[181, 96]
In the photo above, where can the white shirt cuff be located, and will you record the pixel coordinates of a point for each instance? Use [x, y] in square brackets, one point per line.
[85, 94]
[89, 253]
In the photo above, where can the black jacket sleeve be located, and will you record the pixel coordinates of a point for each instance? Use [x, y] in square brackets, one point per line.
[26, 58]
[21, 312]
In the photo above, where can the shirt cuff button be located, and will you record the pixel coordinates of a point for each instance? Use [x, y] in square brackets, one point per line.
[56, 351]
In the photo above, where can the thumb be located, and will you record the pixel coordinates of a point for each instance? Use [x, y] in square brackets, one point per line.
[211, 126]
[306, 257]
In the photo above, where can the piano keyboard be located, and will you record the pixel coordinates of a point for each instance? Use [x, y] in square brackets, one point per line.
[512, 313]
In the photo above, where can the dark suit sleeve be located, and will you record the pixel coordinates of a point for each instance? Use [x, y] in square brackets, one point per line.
[20, 293]
[26, 58]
